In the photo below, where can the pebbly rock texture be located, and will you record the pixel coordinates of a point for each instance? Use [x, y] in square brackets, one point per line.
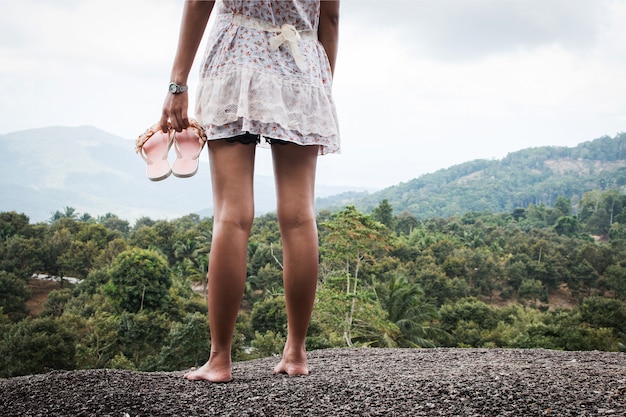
[345, 382]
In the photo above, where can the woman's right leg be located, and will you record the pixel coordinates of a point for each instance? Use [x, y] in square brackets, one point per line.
[232, 172]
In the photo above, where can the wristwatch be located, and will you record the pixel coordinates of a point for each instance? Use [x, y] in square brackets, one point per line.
[177, 89]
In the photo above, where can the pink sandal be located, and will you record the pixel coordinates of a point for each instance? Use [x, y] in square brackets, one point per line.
[188, 145]
[153, 146]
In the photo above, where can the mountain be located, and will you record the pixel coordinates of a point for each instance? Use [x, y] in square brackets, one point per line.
[44, 170]
[530, 176]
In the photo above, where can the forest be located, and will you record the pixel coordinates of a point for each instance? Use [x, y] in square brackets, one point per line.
[537, 276]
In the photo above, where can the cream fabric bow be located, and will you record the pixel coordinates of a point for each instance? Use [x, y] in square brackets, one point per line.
[289, 36]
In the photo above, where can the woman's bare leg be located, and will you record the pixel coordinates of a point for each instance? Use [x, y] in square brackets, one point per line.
[232, 172]
[294, 170]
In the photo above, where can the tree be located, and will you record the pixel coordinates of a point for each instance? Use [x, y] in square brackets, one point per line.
[112, 222]
[530, 289]
[78, 260]
[349, 240]
[568, 226]
[270, 315]
[384, 213]
[605, 312]
[188, 344]
[67, 213]
[405, 222]
[142, 336]
[407, 309]
[13, 295]
[12, 223]
[140, 279]
[57, 244]
[56, 302]
[23, 256]
[563, 205]
[616, 277]
[36, 346]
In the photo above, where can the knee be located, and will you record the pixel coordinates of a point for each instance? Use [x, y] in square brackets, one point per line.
[235, 218]
[295, 217]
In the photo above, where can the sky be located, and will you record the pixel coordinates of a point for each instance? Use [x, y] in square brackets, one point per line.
[420, 85]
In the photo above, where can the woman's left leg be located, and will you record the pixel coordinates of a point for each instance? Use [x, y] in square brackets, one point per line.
[294, 171]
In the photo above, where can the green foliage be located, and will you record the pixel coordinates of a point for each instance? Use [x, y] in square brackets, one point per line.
[268, 343]
[36, 346]
[12, 223]
[56, 302]
[270, 315]
[384, 214]
[406, 307]
[23, 256]
[616, 279]
[98, 344]
[140, 279]
[600, 312]
[530, 277]
[351, 241]
[530, 289]
[141, 336]
[13, 295]
[568, 226]
[188, 344]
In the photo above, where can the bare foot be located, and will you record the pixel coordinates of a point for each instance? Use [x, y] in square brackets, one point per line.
[293, 364]
[214, 371]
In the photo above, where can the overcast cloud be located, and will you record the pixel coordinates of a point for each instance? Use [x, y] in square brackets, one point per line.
[420, 85]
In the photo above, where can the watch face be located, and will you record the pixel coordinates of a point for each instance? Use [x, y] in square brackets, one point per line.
[173, 88]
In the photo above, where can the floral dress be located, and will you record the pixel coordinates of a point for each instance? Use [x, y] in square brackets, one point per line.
[266, 73]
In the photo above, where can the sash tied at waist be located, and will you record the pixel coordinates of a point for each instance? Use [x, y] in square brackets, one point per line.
[287, 35]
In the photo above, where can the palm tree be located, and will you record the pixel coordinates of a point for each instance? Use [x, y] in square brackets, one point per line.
[404, 303]
[192, 256]
[68, 213]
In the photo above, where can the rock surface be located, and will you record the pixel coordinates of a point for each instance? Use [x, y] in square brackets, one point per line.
[345, 382]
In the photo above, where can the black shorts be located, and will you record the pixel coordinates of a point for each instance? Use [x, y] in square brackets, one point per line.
[253, 139]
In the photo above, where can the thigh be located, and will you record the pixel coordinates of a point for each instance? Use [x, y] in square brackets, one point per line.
[232, 178]
[294, 172]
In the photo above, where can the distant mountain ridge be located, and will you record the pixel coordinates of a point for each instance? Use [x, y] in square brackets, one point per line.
[529, 176]
[95, 172]
[47, 169]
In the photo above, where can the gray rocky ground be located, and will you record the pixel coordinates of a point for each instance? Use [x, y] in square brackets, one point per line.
[346, 382]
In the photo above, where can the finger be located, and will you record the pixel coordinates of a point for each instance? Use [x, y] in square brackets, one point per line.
[177, 121]
[164, 123]
[182, 118]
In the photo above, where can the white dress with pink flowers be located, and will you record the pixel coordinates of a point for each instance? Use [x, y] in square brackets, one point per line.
[265, 72]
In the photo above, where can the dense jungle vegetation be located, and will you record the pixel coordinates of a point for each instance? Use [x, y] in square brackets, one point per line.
[536, 277]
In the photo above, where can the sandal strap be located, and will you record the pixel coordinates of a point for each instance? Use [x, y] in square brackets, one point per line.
[200, 134]
[144, 137]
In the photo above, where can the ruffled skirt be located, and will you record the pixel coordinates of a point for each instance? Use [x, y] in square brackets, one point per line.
[247, 87]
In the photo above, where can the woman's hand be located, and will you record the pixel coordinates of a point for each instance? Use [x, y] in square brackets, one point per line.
[174, 113]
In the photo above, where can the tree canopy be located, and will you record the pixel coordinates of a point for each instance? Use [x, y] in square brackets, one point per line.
[536, 277]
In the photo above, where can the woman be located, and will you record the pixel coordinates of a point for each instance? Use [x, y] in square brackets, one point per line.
[265, 79]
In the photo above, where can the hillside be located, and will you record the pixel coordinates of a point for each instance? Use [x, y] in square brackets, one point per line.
[346, 382]
[529, 176]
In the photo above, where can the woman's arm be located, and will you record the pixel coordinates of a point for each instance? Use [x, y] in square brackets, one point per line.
[328, 31]
[195, 17]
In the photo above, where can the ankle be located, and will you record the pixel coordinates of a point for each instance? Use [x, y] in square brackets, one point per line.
[220, 356]
[294, 351]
